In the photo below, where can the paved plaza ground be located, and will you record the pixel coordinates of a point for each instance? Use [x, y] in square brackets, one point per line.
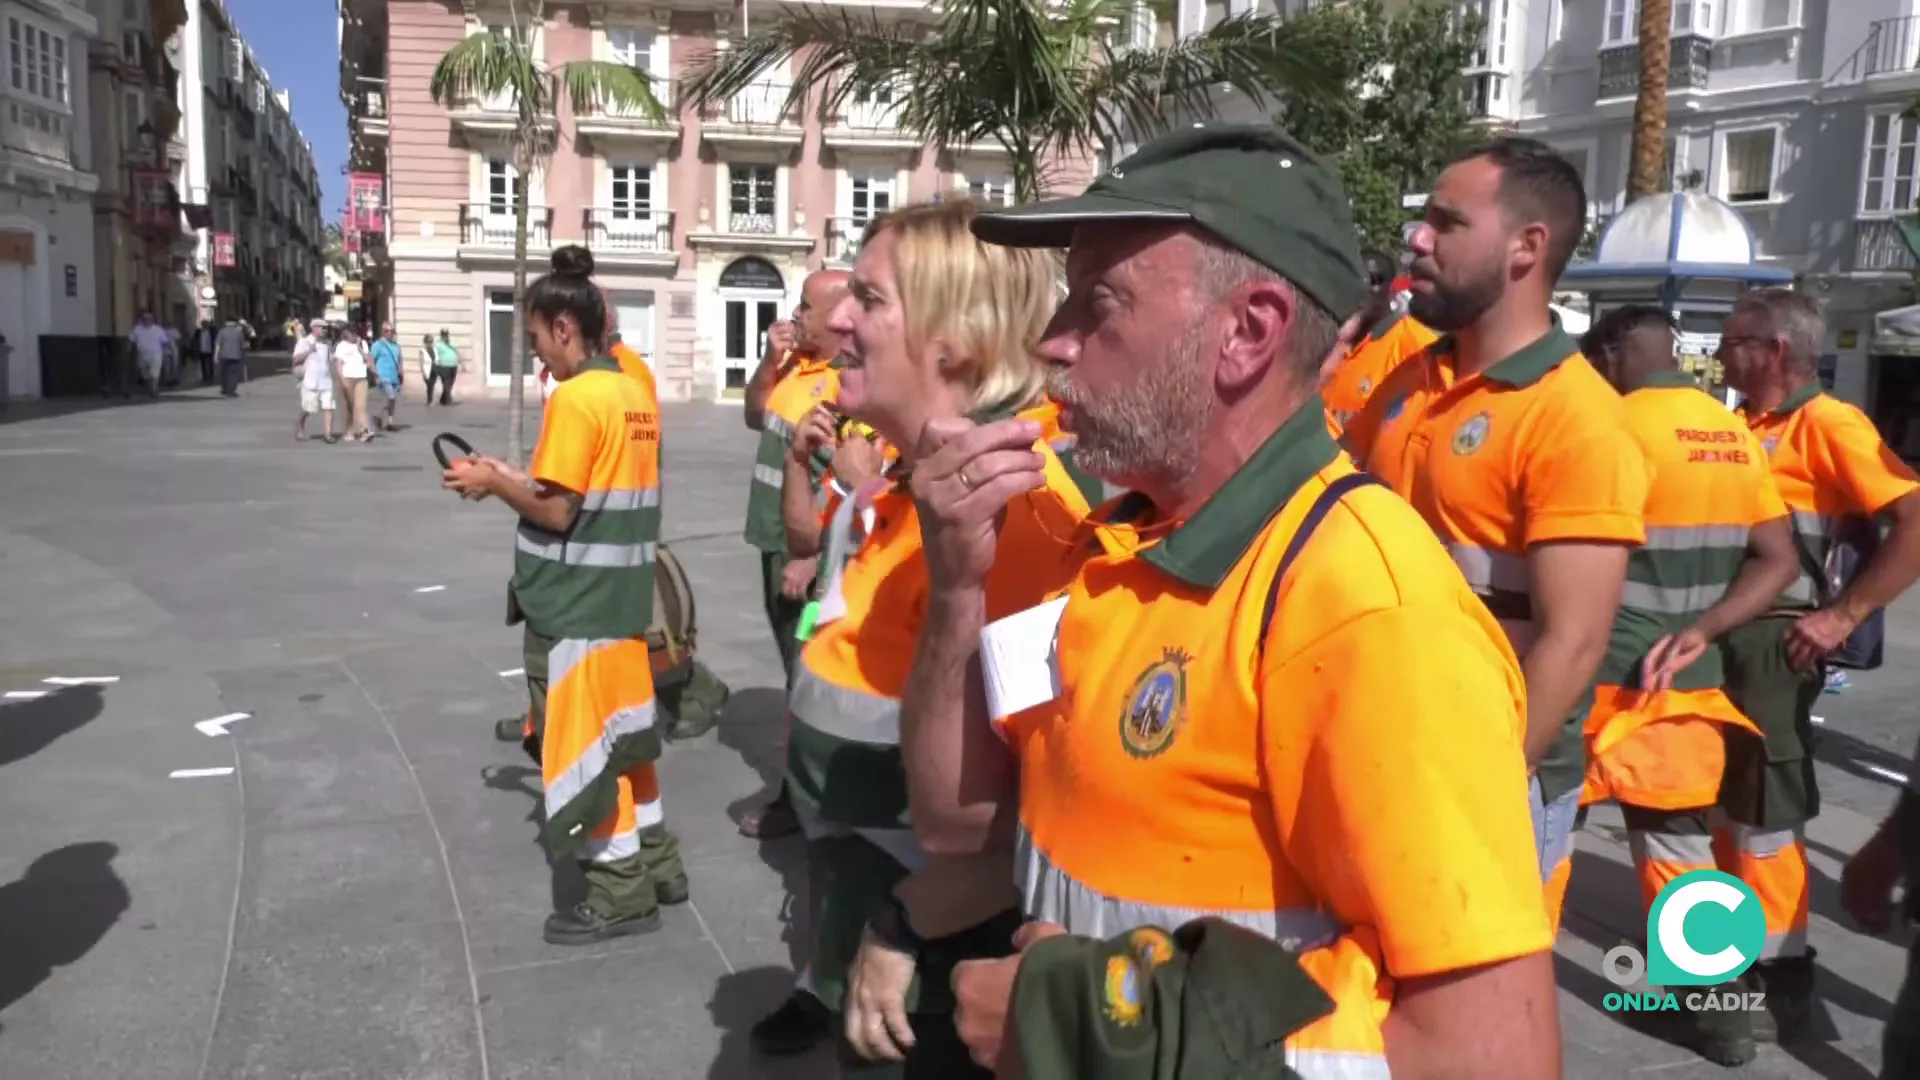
[360, 895]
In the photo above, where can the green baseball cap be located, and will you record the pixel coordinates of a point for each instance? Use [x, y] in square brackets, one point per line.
[1252, 185]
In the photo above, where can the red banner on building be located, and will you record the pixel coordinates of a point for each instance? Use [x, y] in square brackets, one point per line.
[223, 249]
[366, 203]
[152, 198]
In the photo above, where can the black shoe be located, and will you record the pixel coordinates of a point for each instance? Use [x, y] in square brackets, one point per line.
[512, 729]
[1788, 983]
[672, 891]
[797, 1026]
[1725, 1038]
[581, 925]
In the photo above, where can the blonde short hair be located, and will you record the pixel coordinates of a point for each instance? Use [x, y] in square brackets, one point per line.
[989, 304]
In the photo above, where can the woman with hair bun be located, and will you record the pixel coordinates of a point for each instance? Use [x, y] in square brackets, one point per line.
[589, 506]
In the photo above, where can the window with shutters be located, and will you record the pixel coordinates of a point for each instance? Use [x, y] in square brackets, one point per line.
[991, 190]
[869, 193]
[503, 184]
[1887, 175]
[1620, 22]
[37, 60]
[1749, 161]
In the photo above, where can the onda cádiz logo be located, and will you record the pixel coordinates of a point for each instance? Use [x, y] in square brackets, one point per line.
[1705, 929]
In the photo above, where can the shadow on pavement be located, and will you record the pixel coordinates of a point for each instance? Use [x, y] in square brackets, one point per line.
[56, 913]
[1851, 755]
[739, 1000]
[753, 725]
[28, 727]
[568, 886]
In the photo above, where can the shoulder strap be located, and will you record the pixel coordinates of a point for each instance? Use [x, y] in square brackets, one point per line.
[1328, 499]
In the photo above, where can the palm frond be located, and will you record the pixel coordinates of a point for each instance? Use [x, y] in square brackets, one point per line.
[591, 84]
[484, 65]
[1259, 56]
[846, 55]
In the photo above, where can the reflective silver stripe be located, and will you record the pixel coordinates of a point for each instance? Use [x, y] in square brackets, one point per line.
[1812, 525]
[631, 499]
[768, 475]
[899, 843]
[1790, 943]
[778, 425]
[606, 849]
[1049, 895]
[1802, 590]
[1670, 600]
[534, 543]
[1694, 537]
[1685, 849]
[593, 760]
[1762, 845]
[843, 713]
[1520, 634]
[1337, 1065]
[570, 653]
[1485, 569]
[649, 814]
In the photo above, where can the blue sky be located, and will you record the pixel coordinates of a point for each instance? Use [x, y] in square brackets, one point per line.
[298, 42]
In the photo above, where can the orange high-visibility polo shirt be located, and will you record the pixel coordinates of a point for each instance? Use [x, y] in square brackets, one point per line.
[1533, 450]
[1829, 462]
[1391, 342]
[1352, 785]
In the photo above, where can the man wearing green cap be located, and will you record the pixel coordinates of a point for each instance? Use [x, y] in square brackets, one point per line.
[1269, 700]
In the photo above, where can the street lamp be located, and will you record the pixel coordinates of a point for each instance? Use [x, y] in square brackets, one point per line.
[149, 138]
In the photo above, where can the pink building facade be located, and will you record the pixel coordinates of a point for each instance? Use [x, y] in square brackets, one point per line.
[703, 226]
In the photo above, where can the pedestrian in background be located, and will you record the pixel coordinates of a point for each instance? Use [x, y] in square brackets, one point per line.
[386, 368]
[313, 364]
[350, 368]
[230, 347]
[446, 364]
[203, 349]
[150, 349]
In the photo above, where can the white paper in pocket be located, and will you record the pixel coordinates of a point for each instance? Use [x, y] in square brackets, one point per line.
[1019, 661]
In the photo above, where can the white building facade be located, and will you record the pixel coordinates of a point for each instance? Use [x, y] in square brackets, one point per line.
[47, 301]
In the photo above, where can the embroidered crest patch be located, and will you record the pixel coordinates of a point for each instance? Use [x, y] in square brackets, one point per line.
[1156, 706]
[1472, 434]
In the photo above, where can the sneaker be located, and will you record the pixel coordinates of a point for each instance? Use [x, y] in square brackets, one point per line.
[582, 925]
[797, 1026]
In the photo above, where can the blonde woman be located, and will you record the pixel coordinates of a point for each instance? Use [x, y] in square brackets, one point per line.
[936, 325]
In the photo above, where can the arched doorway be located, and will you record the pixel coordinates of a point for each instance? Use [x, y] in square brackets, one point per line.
[752, 293]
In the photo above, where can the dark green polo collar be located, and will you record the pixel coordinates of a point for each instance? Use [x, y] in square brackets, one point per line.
[1202, 549]
[1668, 379]
[600, 363]
[1808, 391]
[1385, 324]
[1532, 362]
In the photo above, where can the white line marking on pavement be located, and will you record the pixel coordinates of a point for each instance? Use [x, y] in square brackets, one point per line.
[1887, 774]
[81, 680]
[512, 671]
[218, 725]
[431, 588]
[195, 774]
[26, 695]
[37, 451]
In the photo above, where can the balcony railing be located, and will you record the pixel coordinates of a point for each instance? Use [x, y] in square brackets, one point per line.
[1892, 47]
[28, 129]
[663, 89]
[1879, 247]
[1691, 62]
[628, 230]
[751, 223]
[760, 105]
[370, 101]
[873, 116]
[491, 225]
[843, 238]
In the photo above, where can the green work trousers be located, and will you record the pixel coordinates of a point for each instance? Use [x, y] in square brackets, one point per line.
[783, 614]
[1769, 783]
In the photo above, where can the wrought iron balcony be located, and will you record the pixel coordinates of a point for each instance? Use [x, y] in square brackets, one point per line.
[490, 225]
[751, 223]
[757, 114]
[1892, 47]
[1878, 247]
[43, 133]
[1690, 64]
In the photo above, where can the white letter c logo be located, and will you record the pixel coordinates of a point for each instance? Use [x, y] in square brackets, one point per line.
[1673, 920]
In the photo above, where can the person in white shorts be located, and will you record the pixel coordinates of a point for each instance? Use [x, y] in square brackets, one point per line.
[313, 361]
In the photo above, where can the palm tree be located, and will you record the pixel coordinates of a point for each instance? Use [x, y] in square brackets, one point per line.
[1650, 107]
[1045, 79]
[334, 250]
[504, 65]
